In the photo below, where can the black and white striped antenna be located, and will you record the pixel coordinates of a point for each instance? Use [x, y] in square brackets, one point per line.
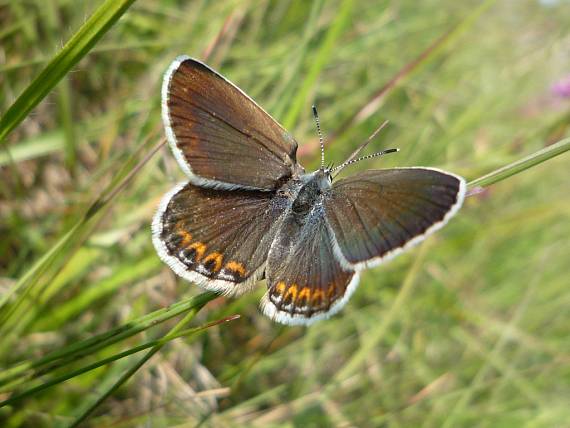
[321, 139]
[353, 157]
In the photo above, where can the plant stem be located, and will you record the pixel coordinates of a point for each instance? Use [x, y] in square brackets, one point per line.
[521, 164]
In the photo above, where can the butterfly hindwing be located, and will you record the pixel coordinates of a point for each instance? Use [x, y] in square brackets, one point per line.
[219, 135]
[305, 281]
[376, 214]
[218, 239]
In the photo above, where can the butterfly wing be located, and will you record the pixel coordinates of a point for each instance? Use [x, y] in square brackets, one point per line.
[220, 136]
[376, 214]
[305, 280]
[218, 239]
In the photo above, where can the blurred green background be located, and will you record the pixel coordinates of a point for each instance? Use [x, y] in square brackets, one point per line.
[470, 329]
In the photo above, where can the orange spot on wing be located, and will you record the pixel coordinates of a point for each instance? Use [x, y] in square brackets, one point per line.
[280, 287]
[216, 258]
[331, 290]
[318, 296]
[305, 293]
[186, 236]
[235, 267]
[291, 291]
[200, 249]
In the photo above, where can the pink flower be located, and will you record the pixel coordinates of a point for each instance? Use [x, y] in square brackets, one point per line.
[562, 87]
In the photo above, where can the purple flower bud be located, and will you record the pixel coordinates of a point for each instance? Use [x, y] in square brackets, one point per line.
[562, 87]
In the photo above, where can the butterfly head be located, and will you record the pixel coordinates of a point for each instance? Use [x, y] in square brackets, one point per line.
[319, 181]
[323, 176]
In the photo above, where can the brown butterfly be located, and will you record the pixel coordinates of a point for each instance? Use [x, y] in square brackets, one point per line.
[249, 211]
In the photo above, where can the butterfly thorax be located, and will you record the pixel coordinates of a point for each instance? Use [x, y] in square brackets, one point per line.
[310, 192]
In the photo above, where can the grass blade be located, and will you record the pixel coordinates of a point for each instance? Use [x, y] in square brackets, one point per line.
[56, 359]
[35, 273]
[376, 336]
[153, 343]
[90, 407]
[75, 49]
[317, 64]
[522, 164]
[43, 145]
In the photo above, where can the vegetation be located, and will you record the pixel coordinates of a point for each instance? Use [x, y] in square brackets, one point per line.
[469, 329]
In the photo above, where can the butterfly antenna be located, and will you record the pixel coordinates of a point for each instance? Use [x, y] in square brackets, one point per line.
[368, 140]
[321, 140]
[353, 157]
[373, 155]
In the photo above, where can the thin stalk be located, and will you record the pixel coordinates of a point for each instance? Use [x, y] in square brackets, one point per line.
[85, 347]
[113, 358]
[90, 408]
[521, 165]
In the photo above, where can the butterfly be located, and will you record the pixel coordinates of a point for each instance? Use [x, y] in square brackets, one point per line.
[249, 211]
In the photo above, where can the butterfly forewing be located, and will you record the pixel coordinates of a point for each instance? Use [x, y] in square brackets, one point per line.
[219, 135]
[305, 281]
[377, 213]
[217, 238]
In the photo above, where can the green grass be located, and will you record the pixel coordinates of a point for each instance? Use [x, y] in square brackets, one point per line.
[469, 329]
